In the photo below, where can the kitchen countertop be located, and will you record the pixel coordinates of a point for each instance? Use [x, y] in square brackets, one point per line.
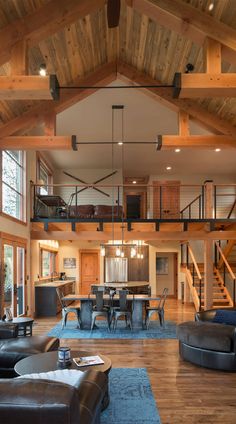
[55, 283]
[127, 284]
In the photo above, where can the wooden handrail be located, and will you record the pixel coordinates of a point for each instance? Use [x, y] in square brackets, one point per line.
[194, 200]
[225, 261]
[194, 263]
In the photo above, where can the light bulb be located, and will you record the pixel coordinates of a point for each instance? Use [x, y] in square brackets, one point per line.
[118, 251]
[103, 251]
[138, 255]
[132, 252]
[122, 254]
[43, 70]
[141, 256]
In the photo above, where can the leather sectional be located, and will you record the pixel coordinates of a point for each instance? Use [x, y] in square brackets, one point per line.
[95, 212]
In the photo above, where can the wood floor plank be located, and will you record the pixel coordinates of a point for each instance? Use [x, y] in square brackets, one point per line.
[184, 393]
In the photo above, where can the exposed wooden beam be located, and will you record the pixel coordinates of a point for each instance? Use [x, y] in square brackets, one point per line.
[183, 123]
[19, 58]
[212, 56]
[166, 142]
[209, 120]
[103, 75]
[190, 22]
[208, 274]
[35, 87]
[133, 235]
[50, 124]
[47, 20]
[38, 143]
[204, 85]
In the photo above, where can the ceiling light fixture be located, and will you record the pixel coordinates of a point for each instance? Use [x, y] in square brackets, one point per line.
[189, 68]
[217, 150]
[177, 150]
[120, 143]
[43, 70]
[168, 168]
[211, 6]
[134, 182]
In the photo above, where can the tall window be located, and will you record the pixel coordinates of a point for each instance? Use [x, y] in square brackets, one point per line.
[48, 263]
[13, 184]
[44, 175]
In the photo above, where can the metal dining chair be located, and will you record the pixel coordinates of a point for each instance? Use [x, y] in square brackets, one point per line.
[99, 309]
[122, 310]
[150, 310]
[67, 309]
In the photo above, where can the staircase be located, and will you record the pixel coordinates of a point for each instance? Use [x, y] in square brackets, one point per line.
[221, 297]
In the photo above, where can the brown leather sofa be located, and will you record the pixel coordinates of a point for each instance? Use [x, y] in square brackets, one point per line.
[26, 401]
[14, 348]
[95, 212]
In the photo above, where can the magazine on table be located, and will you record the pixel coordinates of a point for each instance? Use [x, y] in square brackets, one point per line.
[85, 361]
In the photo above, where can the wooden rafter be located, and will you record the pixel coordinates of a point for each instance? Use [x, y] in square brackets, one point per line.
[190, 22]
[207, 119]
[166, 142]
[47, 20]
[104, 75]
[35, 87]
[38, 143]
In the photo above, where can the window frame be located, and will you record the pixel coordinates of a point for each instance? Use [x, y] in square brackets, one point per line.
[42, 163]
[23, 194]
[52, 252]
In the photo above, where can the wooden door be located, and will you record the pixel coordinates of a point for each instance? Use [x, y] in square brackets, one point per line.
[89, 270]
[166, 199]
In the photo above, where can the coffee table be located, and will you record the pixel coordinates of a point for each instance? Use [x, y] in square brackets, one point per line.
[24, 325]
[44, 362]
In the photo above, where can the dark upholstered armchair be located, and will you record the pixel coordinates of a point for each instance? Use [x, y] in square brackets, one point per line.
[26, 401]
[13, 348]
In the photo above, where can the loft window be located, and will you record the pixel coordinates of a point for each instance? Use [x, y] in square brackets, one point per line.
[13, 184]
[44, 175]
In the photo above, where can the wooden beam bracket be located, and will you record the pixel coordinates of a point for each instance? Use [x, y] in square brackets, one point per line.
[159, 142]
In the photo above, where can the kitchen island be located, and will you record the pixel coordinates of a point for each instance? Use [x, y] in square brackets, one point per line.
[46, 300]
[134, 287]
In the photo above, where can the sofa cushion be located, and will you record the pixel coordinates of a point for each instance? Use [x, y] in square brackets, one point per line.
[13, 350]
[206, 335]
[105, 211]
[81, 211]
[223, 316]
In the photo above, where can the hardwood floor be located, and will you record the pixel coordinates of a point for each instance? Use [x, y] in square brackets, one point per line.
[184, 393]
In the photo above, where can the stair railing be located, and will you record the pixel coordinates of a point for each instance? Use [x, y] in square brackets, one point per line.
[193, 268]
[227, 267]
[188, 209]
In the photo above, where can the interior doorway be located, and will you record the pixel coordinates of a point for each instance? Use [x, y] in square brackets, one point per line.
[135, 205]
[89, 269]
[167, 273]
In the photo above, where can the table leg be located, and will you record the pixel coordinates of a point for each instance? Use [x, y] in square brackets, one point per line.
[86, 313]
[137, 313]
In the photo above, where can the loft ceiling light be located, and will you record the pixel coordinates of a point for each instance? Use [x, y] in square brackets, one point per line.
[43, 70]
[211, 6]
[189, 68]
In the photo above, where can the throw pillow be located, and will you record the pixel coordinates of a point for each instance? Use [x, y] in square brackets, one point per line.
[66, 376]
[223, 316]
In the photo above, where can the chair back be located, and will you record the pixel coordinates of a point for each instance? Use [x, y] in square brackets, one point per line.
[99, 300]
[60, 297]
[123, 299]
[163, 298]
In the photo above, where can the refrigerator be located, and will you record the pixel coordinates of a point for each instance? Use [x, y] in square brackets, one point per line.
[116, 270]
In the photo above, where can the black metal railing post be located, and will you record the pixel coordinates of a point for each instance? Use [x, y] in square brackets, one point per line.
[199, 207]
[200, 294]
[181, 254]
[203, 201]
[215, 249]
[215, 203]
[34, 200]
[76, 201]
[234, 293]
[187, 256]
[160, 202]
[190, 212]
[224, 273]
[193, 276]
[118, 200]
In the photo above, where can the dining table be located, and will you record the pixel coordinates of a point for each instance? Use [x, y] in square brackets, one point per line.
[138, 302]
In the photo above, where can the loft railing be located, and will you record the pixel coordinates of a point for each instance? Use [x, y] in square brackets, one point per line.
[226, 271]
[165, 202]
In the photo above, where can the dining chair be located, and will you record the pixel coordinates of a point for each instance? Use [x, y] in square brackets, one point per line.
[122, 310]
[150, 310]
[67, 309]
[99, 309]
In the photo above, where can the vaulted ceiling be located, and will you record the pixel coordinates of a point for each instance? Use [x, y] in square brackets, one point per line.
[73, 39]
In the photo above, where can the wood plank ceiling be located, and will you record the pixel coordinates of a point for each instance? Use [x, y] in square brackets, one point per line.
[85, 45]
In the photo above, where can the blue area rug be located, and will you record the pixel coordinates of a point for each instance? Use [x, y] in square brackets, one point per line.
[154, 332]
[131, 398]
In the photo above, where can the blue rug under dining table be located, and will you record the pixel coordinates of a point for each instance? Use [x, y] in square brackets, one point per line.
[131, 398]
[155, 331]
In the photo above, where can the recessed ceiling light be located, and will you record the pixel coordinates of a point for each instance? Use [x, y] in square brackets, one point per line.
[120, 143]
[134, 182]
[43, 70]
[168, 168]
[218, 149]
[177, 150]
[211, 6]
